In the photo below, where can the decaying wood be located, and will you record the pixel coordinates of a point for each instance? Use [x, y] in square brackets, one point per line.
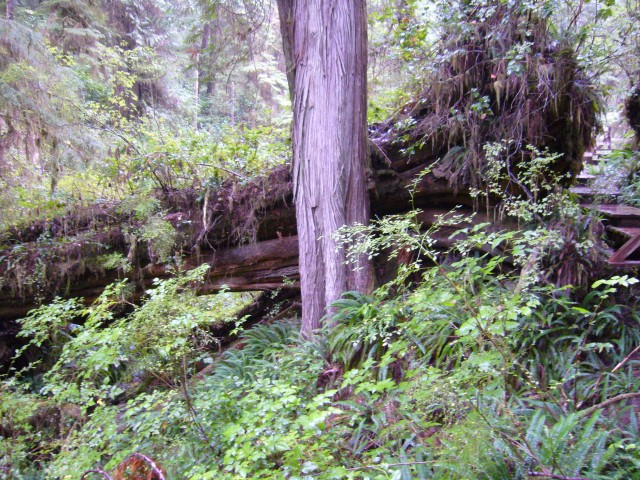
[262, 265]
[259, 213]
[259, 266]
[550, 105]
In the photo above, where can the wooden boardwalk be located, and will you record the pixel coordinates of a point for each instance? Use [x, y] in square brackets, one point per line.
[621, 221]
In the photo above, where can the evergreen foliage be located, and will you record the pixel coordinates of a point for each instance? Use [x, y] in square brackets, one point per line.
[470, 372]
[511, 354]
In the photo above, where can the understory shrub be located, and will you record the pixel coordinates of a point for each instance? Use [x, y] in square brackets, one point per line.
[470, 364]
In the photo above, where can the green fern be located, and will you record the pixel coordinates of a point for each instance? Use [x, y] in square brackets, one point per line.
[360, 329]
[259, 345]
[570, 446]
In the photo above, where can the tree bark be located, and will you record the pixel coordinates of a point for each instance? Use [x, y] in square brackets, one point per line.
[329, 148]
[285, 13]
[10, 9]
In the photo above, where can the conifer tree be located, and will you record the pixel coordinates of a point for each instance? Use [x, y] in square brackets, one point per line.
[325, 46]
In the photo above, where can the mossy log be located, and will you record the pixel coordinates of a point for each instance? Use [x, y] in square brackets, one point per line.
[246, 232]
[263, 264]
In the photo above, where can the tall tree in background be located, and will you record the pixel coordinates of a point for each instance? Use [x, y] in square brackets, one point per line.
[10, 8]
[11, 4]
[325, 44]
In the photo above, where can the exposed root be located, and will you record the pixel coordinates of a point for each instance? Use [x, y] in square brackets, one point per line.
[506, 81]
[135, 467]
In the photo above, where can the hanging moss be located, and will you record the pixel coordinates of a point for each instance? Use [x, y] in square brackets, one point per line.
[45, 257]
[504, 79]
[632, 110]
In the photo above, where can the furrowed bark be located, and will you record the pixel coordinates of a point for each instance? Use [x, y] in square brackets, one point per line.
[360, 276]
[285, 13]
[329, 147]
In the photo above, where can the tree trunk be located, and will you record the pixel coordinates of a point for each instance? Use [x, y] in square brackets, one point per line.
[200, 53]
[285, 13]
[196, 92]
[206, 33]
[329, 147]
[10, 9]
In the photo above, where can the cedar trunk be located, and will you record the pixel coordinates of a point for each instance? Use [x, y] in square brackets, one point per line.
[329, 146]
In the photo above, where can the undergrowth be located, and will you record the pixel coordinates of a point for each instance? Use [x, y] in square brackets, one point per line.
[621, 168]
[459, 377]
[467, 365]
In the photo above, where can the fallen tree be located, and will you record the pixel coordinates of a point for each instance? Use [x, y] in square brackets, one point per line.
[264, 263]
[429, 156]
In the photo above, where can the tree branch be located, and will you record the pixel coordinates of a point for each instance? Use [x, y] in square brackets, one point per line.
[150, 462]
[97, 470]
[554, 476]
[625, 359]
[625, 396]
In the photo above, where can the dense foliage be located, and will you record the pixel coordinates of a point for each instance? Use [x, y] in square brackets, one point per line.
[510, 354]
[464, 369]
[98, 101]
[470, 373]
